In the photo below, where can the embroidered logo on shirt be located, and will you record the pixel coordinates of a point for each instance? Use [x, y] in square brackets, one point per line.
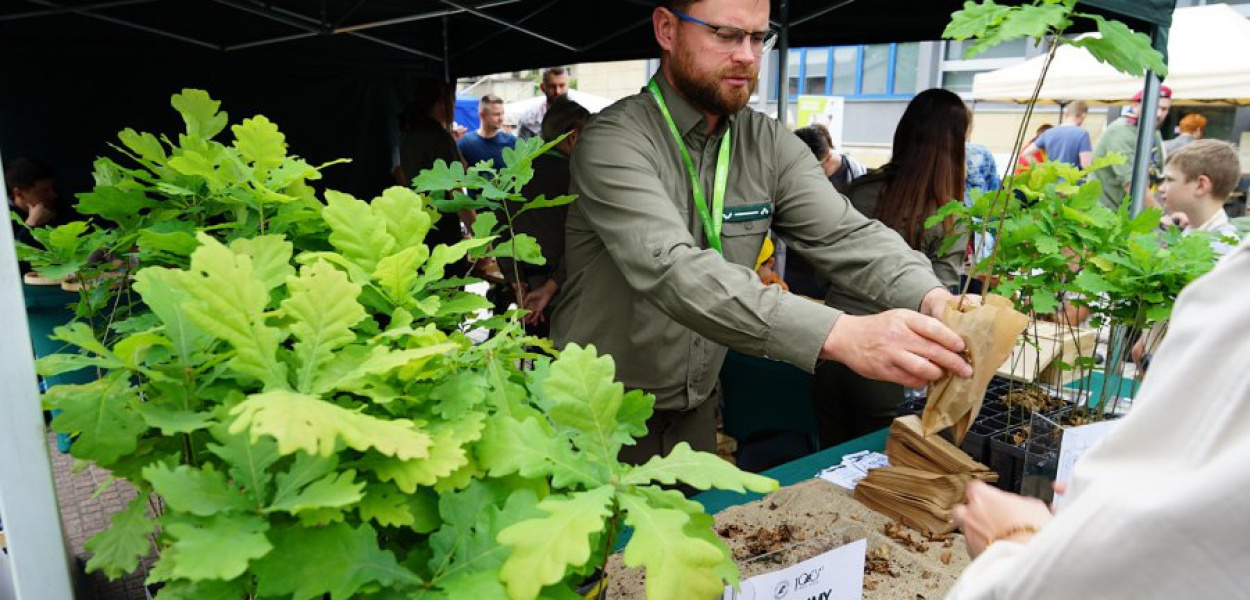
[747, 212]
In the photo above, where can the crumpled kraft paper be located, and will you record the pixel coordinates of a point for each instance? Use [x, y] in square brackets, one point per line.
[989, 332]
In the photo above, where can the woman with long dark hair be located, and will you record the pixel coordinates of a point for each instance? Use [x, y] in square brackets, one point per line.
[925, 172]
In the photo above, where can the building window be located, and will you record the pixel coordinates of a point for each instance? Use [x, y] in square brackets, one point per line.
[816, 71]
[906, 63]
[1018, 48]
[959, 81]
[876, 69]
[794, 63]
[844, 60]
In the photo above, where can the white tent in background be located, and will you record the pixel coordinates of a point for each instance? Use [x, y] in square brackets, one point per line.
[513, 110]
[1208, 61]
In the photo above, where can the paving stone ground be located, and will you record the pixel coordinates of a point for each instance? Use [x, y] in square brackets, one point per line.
[82, 516]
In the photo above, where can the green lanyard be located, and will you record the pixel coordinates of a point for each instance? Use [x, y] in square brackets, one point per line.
[711, 220]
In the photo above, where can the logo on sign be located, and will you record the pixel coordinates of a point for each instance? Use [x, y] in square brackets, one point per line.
[809, 578]
[781, 590]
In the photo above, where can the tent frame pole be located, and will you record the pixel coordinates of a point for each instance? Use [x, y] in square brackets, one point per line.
[1146, 127]
[28, 503]
[783, 58]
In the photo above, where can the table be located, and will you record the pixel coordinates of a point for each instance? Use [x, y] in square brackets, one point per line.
[795, 471]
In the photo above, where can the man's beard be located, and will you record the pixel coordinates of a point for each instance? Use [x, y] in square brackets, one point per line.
[704, 90]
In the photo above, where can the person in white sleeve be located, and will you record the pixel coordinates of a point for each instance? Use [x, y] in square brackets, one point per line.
[1160, 508]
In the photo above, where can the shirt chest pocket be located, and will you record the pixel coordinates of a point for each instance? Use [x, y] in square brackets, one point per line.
[743, 228]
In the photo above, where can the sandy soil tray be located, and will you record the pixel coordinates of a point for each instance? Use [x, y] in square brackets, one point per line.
[801, 521]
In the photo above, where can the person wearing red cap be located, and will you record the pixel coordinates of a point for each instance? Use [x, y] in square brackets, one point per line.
[1121, 137]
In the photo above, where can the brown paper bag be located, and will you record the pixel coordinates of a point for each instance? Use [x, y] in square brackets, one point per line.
[989, 331]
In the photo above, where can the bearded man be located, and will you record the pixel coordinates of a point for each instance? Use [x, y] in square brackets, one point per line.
[677, 189]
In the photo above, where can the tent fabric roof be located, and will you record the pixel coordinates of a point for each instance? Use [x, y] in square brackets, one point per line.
[1208, 61]
[335, 73]
[468, 37]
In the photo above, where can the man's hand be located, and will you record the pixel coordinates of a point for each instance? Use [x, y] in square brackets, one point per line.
[536, 301]
[934, 302]
[900, 345]
[40, 214]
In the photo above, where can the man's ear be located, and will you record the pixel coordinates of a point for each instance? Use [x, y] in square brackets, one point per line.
[665, 25]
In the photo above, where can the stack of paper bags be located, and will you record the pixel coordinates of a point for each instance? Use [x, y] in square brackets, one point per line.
[925, 480]
[989, 332]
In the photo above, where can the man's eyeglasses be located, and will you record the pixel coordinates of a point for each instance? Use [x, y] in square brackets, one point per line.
[730, 38]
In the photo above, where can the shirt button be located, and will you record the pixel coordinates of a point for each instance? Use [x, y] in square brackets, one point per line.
[750, 226]
[655, 253]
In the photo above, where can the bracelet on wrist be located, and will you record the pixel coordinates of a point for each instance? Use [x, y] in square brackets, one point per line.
[1012, 531]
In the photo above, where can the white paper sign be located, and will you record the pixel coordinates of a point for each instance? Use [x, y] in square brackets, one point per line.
[853, 468]
[1076, 441]
[835, 575]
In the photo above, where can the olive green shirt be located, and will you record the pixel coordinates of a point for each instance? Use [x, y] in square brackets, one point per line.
[863, 195]
[643, 285]
[1121, 137]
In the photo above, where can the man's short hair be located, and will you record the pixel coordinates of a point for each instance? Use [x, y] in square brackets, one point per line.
[563, 116]
[1216, 159]
[1078, 108]
[550, 72]
[23, 173]
[488, 100]
[678, 5]
[1192, 123]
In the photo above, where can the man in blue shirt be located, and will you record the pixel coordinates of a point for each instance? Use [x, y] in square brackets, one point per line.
[488, 142]
[1068, 142]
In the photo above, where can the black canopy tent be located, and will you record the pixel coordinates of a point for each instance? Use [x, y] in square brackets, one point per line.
[334, 73]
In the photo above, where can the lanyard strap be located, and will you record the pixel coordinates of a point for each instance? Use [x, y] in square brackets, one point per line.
[711, 219]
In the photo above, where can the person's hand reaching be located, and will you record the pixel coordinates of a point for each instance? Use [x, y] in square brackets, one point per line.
[992, 515]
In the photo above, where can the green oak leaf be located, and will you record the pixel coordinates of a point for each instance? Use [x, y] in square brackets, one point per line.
[102, 414]
[443, 255]
[126, 207]
[458, 394]
[522, 247]
[385, 505]
[471, 520]
[144, 145]
[356, 231]
[405, 216]
[220, 547]
[163, 290]
[335, 490]
[1120, 47]
[301, 422]
[248, 462]
[209, 589]
[699, 470]
[229, 303]
[172, 420]
[544, 202]
[585, 399]
[446, 454]
[271, 258]
[396, 273]
[974, 20]
[339, 560]
[200, 113]
[259, 141]
[323, 310]
[511, 446]
[201, 492]
[678, 566]
[118, 549]
[544, 548]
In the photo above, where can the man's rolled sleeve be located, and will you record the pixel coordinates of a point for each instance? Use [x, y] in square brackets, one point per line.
[799, 328]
